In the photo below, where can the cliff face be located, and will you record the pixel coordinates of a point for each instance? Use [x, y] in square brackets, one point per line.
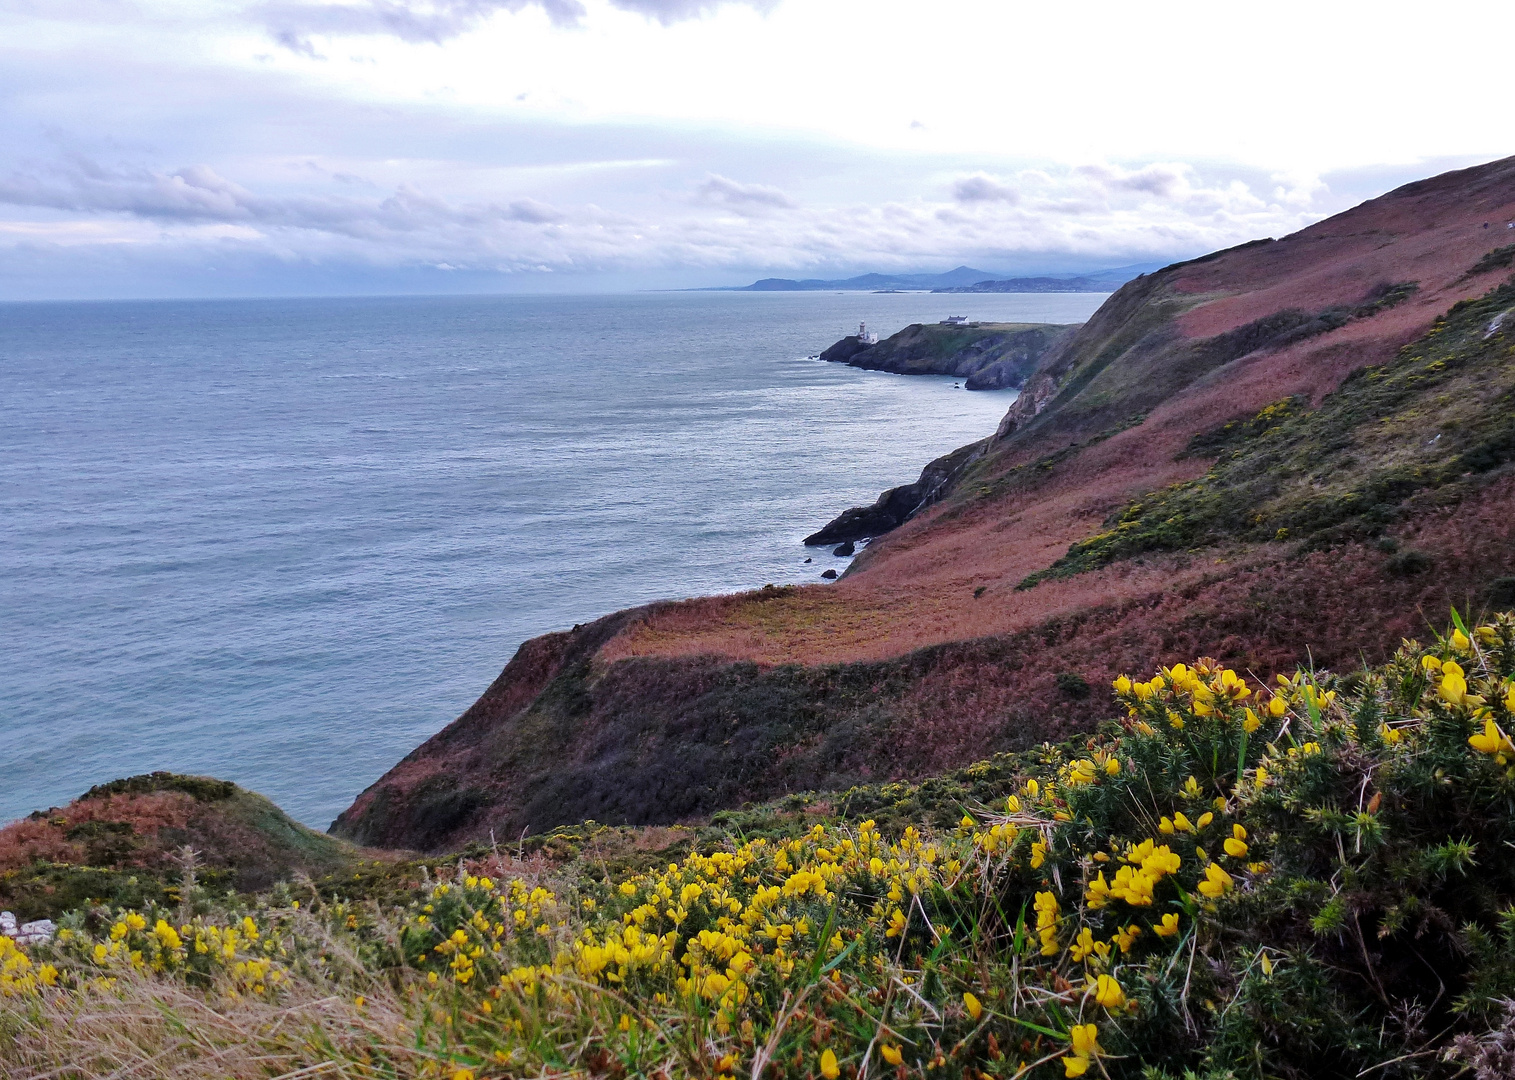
[1285, 452]
[988, 356]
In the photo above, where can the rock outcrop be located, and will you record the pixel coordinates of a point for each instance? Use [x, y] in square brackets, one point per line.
[898, 505]
[987, 356]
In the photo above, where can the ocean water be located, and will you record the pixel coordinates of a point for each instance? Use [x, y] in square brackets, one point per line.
[284, 541]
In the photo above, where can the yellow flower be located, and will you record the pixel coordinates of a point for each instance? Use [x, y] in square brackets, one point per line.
[1235, 848]
[1250, 722]
[167, 935]
[1454, 684]
[1460, 641]
[1191, 788]
[1491, 741]
[1182, 823]
[1085, 1039]
[1392, 736]
[1108, 992]
[892, 1054]
[1204, 820]
[975, 1009]
[1217, 882]
[1112, 767]
[1277, 706]
[1169, 926]
[1165, 826]
[1429, 663]
[1267, 964]
[829, 1068]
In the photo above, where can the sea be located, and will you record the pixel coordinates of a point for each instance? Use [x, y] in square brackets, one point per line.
[282, 542]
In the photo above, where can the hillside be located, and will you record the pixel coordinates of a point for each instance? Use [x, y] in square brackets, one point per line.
[125, 843]
[961, 278]
[987, 356]
[1310, 878]
[949, 638]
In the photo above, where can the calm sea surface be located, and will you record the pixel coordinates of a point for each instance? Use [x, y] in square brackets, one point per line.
[282, 542]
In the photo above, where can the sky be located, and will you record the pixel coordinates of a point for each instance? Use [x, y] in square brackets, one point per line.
[168, 148]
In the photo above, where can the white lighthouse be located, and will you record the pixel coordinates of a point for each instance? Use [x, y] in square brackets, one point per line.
[865, 336]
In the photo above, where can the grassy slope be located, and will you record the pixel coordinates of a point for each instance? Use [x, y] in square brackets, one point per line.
[1429, 424]
[659, 740]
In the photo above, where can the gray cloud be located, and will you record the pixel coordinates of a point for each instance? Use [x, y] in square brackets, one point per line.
[742, 197]
[198, 194]
[436, 21]
[1161, 180]
[981, 187]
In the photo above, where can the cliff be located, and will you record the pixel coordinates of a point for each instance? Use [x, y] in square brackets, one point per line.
[1294, 451]
[988, 356]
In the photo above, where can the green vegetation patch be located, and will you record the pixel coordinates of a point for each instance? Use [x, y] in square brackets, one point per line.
[200, 788]
[1435, 417]
[1499, 259]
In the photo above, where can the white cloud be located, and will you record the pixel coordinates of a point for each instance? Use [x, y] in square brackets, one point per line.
[700, 137]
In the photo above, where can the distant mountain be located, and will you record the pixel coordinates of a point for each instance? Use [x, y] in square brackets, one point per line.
[961, 279]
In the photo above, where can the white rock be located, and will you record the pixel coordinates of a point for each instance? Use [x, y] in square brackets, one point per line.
[39, 932]
[36, 933]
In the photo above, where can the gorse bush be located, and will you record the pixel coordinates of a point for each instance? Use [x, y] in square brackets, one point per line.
[1307, 879]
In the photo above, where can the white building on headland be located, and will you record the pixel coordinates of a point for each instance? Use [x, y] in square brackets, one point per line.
[955, 320]
[866, 336]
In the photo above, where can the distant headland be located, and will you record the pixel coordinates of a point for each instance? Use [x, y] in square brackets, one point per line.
[960, 279]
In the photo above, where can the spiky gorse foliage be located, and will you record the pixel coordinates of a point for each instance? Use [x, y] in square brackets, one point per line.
[1306, 879]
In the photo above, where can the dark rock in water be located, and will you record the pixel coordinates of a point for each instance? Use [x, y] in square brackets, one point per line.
[844, 550]
[843, 350]
[809, 560]
[897, 505]
[828, 574]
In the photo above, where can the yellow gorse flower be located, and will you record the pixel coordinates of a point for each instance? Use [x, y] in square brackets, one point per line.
[1108, 993]
[829, 1068]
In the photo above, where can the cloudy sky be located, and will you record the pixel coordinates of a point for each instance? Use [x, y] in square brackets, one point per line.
[278, 147]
